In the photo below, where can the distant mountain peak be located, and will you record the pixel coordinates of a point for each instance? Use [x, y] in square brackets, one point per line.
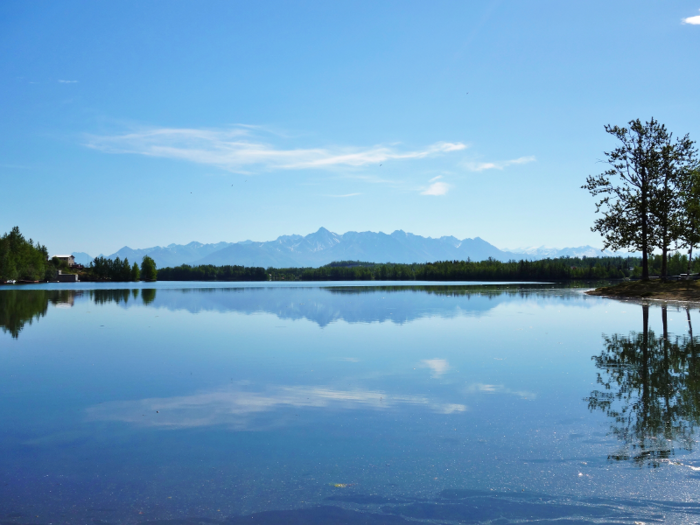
[323, 247]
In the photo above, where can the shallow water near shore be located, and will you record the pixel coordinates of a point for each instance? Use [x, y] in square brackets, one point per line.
[320, 403]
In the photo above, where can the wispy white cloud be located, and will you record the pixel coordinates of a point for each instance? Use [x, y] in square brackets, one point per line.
[240, 150]
[67, 81]
[438, 366]
[435, 178]
[498, 165]
[436, 188]
[250, 410]
[692, 20]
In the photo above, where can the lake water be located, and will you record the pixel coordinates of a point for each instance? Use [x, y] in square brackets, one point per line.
[198, 403]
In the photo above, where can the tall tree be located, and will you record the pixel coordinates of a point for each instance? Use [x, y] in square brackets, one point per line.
[135, 273]
[148, 269]
[628, 189]
[689, 227]
[21, 259]
[677, 161]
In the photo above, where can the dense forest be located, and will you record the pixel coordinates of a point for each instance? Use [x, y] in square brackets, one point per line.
[565, 268]
[104, 269]
[23, 260]
[489, 270]
[212, 273]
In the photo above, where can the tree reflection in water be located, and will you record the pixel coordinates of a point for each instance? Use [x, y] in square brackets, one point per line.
[21, 307]
[650, 391]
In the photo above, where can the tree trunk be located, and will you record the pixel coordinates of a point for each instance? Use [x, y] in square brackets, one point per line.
[645, 235]
[645, 360]
[664, 257]
[666, 209]
[690, 259]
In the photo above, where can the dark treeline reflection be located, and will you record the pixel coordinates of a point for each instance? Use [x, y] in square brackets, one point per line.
[514, 290]
[321, 305]
[651, 391]
[122, 296]
[21, 307]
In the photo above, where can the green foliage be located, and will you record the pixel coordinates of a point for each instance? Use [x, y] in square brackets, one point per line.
[135, 272]
[646, 193]
[59, 264]
[565, 268]
[21, 259]
[689, 228]
[148, 269]
[212, 273]
[103, 269]
[348, 264]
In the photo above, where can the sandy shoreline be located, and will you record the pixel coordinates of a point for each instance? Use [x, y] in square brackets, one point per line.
[681, 293]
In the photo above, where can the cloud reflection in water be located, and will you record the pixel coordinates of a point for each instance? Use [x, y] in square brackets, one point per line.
[499, 389]
[438, 367]
[240, 409]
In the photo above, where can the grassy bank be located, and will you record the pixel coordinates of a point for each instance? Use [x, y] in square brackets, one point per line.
[654, 289]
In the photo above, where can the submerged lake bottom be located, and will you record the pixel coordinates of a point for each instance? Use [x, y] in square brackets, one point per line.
[338, 403]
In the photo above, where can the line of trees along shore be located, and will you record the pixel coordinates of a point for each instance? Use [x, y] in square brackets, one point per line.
[650, 193]
[565, 268]
[22, 259]
[208, 272]
[489, 270]
[25, 260]
[103, 269]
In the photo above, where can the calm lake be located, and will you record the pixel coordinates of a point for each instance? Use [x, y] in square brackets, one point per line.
[187, 403]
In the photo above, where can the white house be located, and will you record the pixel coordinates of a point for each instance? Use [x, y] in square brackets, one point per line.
[68, 259]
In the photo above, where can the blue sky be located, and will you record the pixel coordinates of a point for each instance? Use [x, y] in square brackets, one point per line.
[150, 123]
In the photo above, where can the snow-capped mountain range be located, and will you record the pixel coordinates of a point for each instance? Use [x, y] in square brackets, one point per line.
[323, 247]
